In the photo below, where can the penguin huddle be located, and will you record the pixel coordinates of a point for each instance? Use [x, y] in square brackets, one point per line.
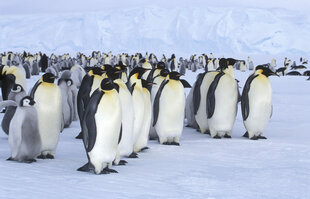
[122, 101]
[212, 103]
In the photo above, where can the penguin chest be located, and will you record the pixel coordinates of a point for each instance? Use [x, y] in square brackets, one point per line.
[108, 124]
[260, 104]
[15, 135]
[138, 104]
[96, 83]
[171, 109]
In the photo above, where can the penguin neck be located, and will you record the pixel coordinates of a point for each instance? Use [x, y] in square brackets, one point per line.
[230, 71]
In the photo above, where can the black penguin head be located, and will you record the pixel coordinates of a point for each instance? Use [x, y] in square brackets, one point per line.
[121, 66]
[174, 75]
[114, 73]
[17, 88]
[48, 78]
[27, 101]
[264, 70]
[96, 71]
[146, 84]
[138, 71]
[106, 67]
[161, 65]
[224, 63]
[106, 84]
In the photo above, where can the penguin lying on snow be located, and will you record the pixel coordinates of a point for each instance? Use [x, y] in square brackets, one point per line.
[24, 137]
[168, 109]
[102, 130]
[256, 102]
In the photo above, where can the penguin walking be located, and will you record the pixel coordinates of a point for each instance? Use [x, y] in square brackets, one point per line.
[16, 94]
[102, 129]
[168, 109]
[47, 96]
[89, 84]
[222, 99]
[24, 137]
[256, 102]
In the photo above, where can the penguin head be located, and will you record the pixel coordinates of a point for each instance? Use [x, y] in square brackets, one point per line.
[114, 73]
[106, 67]
[121, 66]
[161, 65]
[96, 71]
[48, 78]
[260, 69]
[137, 72]
[174, 75]
[17, 88]
[27, 101]
[225, 63]
[106, 84]
[146, 84]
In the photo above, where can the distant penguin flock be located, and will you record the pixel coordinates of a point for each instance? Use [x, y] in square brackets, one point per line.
[122, 101]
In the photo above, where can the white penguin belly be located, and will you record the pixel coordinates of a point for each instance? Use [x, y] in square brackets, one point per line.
[171, 111]
[15, 136]
[138, 104]
[226, 97]
[260, 105]
[201, 116]
[108, 123]
[49, 108]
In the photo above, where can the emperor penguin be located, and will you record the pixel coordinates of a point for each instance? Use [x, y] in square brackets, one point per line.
[102, 128]
[200, 99]
[256, 102]
[250, 62]
[168, 109]
[222, 99]
[90, 83]
[141, 142]
[138, 97]
[125, 147]
[16, 94]
[24, 137]
[242, 66]
[146, 65]
[47, 96]
[173, 63]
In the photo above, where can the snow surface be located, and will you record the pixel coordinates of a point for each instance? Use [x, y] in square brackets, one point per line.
[200, 168]
[186, 27]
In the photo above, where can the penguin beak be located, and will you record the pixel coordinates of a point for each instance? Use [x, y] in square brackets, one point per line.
[32, 102]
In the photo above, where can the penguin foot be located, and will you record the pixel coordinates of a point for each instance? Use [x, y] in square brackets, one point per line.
[144, 148]
[49, 156]
[153, 138]
[41, 156]
[80, 136]
[246, 135]
[207, 132]
[254, 138]
[217, 137]
[10, 159]
[121, 163]
[107, 169]
[188, 125]
[261, 137]
[227, 136]
[133, 155]
[166, 143]
[175, 143]
[29, 161]
[84, 168]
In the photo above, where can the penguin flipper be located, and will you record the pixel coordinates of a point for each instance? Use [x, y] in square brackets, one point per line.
[196, 92]
[185, 83]
[120, 134]
[156, 101]
[34, 88]
[211, 95]
[245, 97]
[89, 122]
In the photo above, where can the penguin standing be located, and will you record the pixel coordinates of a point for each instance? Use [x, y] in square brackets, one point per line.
[24, 137]
[222, 99]
[16, 94]
[168, 109]
[102, 129]
[242, 66]
[200, 100]
[48, 100]
[89, 84]
[256, 102]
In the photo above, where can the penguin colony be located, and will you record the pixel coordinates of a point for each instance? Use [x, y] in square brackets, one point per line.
[124, 100]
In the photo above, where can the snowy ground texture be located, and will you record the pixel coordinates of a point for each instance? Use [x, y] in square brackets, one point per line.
[200, 168]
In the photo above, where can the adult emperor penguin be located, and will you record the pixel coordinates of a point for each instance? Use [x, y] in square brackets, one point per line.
[200, 99]
[102, 129]
[168, 109]
[222, 99]
[24, 137]
[47, 96]
[125, 146]
[146, 65]
[16, 94]
[256, 102]
[89, 84]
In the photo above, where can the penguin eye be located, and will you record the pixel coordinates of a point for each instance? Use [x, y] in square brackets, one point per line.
[69, 83]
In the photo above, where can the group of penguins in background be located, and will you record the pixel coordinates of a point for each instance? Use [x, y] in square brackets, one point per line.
[122, 101]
